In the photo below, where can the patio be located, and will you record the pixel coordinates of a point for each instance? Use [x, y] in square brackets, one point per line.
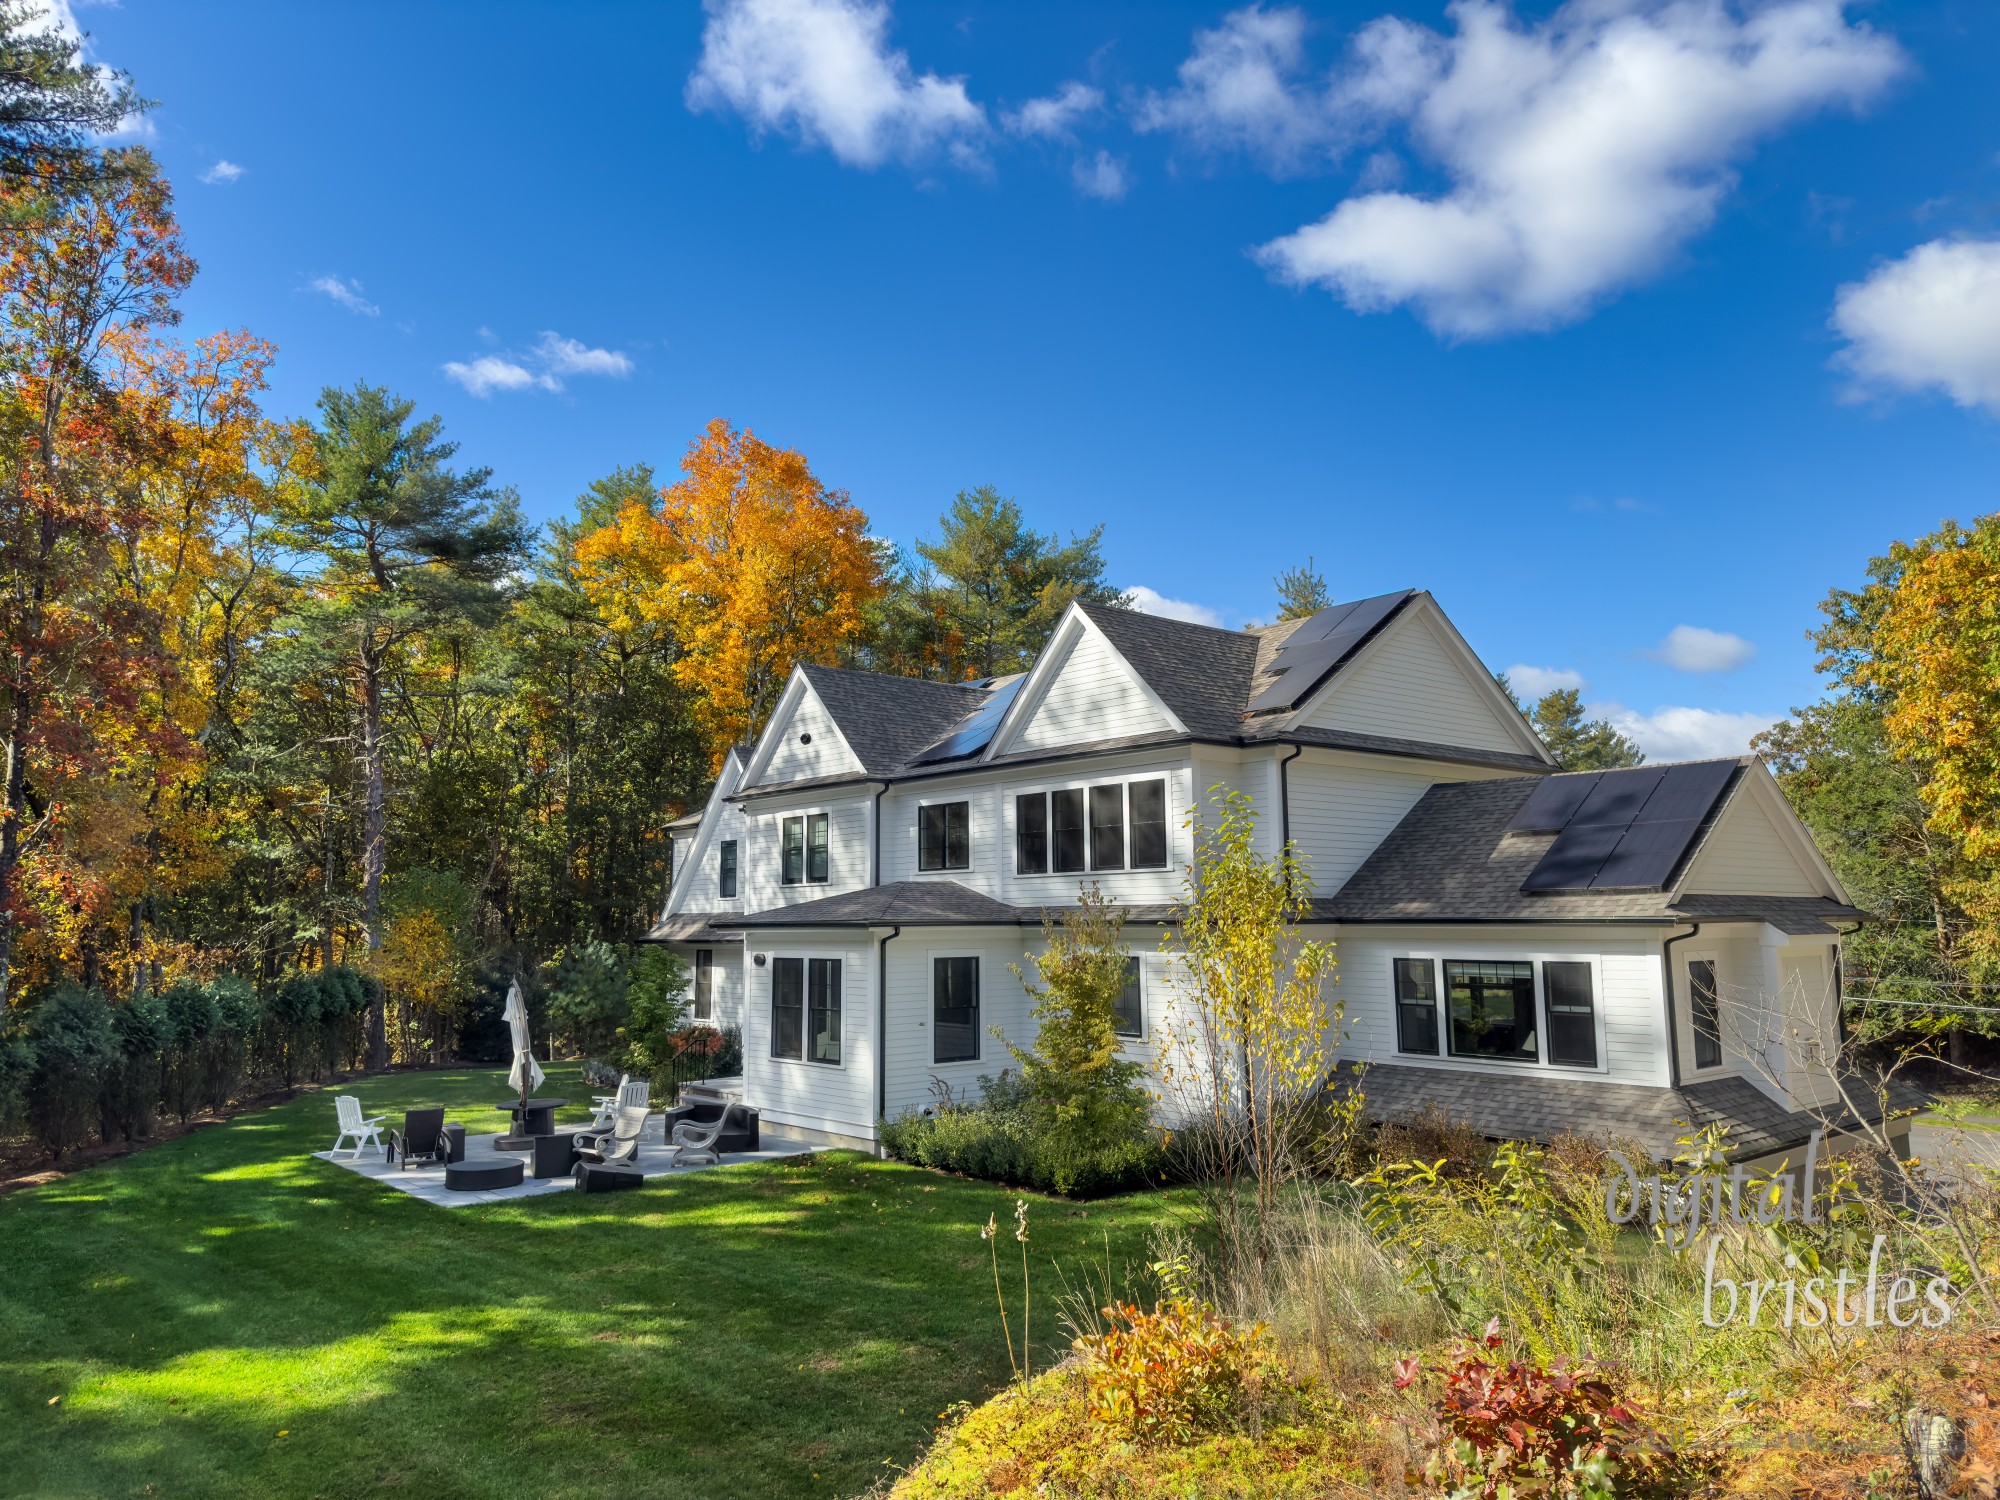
[655, 1159]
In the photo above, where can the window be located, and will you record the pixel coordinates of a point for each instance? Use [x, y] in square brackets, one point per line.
[1492, 1010]
[793, 852]
[823, 1010]
[1572, 1014]
[1031, 833]
[704, 984]
[944, 836]
[1107, 828]
[1128, 1013]
[816, 849]
[1706, 1008]
[725, 875]
[788, 1007]
[954, 1010]
[1149, 825]
[1066, 814]
[1416, 1005]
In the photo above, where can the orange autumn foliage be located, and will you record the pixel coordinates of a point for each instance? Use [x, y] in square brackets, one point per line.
[752, 563]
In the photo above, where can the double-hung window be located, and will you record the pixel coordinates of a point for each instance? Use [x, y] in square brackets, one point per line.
[1107, 827]
[1705, 1004]
[1117, 826]
[1491, 1010]
[804, 846]
[704, 984]
[725, 873]
[944, 836]
[805, 1009]
[1149, 825]
[1066, 821]
[1031, 833]
[1416, 1005]
[1572, 1007]
[1128, 1011]
[954, 1010]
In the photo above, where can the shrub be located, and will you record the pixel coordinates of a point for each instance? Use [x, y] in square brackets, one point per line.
[1170, 1374]
[1001, 1141]
[192, 1013]
[225, 1057]
[74, 1046]
[17, 1066]
[1555, 1430]
[587, 997]
[131, 1086]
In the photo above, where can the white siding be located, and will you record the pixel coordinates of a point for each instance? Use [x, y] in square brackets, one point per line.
[848, 849]
[839, 1099]
[1409, 685]
[727, 993]
[699, 887]
[1744, 855]
[827, 755]
[1342, 807]
[1095, 696]
[1002, 1003]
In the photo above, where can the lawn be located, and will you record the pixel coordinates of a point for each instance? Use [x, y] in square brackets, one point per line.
[225, 1316]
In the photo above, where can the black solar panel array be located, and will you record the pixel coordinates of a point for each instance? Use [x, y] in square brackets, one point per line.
[976, 733]
[1620, 830]
[1322, 643]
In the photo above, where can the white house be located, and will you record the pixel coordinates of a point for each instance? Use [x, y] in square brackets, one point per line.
[1603, 952]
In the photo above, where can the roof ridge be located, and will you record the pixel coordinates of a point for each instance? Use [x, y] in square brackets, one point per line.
[1093, 608]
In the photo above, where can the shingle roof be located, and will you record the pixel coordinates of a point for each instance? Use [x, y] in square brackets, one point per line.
[886, 720]
[1534, 1106]
[916, 903]
[1201, 673]
[688, 926]
[1453, 858]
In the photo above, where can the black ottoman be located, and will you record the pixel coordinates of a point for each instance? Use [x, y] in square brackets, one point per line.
[553, 1155]
[592, 1177]
[455, 1143]
[487, 1172]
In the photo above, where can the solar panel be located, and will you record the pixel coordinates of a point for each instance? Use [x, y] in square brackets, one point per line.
[975, 733]
[1322, 643]
[1625, 830]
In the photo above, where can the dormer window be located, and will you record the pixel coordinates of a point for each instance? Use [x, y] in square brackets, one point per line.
[944, 836]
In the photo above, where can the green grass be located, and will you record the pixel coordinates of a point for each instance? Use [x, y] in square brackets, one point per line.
[225, 1316]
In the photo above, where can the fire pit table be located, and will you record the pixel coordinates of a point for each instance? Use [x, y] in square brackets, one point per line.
[537, 1118]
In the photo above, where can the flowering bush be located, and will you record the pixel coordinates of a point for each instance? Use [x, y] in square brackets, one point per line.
[1171, 1373]
[1520, 1428]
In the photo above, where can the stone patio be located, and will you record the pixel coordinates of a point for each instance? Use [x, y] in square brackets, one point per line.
[655, 1158]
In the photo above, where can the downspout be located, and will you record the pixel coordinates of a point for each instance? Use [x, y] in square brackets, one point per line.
[882, 1029]
[875, 834]
[1673, 1029]
[1285, 806]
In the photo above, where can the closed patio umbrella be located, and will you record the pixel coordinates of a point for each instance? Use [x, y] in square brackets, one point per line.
[526, 1074]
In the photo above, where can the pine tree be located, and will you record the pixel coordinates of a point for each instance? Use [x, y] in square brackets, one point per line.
[1302, 592]
[1577, 743]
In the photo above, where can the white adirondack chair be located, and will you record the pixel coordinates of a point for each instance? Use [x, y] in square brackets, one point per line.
[621, 1142]
[632, 1094]
[363, 1132]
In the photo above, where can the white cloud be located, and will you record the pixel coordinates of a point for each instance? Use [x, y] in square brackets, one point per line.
[1153, 602]
[1240, 91]
[541, 367]
[346, 293]
[222, 172]
[1538, 682]
[59, 17]
[1100, 176]
[822, 70]
[1931, 319]
[1054, 116]
[1689, 648]
[1581, 151]
[1685, 733]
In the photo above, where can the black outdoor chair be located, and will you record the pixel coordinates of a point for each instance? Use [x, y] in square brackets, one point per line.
[738, 1121]
[422, 1139]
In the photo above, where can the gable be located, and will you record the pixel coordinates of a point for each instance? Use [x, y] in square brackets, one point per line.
[1745, 854]
[787, 759]
[1411, 684]
[1093, 695]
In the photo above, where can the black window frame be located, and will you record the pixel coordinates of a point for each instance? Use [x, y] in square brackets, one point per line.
[935, 843]
[1452, 1023]
[1705, 1014]
[819, 848]
[823, 998]
[1111, 795]
[1059, 800]
[1130, 1006]
[725, 869]
[792, 851]
[1405, 981]
[1031, 833]
[1155, 829]
[943, 965]
[702, 998]
[1558, 1001]
[788, 1007]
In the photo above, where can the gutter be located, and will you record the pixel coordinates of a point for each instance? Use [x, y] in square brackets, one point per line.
[882, 1028]
[1673, 1030]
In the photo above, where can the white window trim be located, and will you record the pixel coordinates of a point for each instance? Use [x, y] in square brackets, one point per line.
[931, 956]
[805, 816]
[845, 960]
[971, 864]
[1445, 1057]
[1046, 789]
[1684, 1003]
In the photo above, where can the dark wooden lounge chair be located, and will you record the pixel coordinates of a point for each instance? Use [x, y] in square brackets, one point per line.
[422, 1139]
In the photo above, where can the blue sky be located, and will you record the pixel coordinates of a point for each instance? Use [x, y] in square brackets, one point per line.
[1628, 329]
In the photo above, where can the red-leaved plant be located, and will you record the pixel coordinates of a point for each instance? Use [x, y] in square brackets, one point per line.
[1519, 1428]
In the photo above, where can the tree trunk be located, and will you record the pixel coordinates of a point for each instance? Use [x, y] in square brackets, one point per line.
[13, 812]
[374, 844]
